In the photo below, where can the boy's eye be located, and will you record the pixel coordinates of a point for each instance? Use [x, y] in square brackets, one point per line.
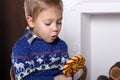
[59, 23]
[47, 24]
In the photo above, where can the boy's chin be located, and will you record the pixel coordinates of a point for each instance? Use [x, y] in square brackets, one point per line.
[50, 41]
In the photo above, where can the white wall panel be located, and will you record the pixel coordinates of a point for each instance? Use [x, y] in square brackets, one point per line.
[92, 29]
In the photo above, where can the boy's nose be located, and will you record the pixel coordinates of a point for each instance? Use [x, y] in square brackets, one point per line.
[55, 28]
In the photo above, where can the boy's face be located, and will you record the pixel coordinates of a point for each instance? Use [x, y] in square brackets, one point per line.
[48, 24]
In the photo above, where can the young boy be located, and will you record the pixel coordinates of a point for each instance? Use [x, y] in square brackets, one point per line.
[40, 54]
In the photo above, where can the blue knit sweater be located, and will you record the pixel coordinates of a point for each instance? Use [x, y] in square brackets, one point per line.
[37, 59]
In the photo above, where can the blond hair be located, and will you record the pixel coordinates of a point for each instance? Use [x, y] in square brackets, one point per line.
[34, 7]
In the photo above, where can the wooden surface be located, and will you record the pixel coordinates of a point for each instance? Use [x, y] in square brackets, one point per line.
[84, 74]
[115, 71]
[12, 26]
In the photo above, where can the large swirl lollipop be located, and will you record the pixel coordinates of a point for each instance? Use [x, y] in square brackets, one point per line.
[73, 65]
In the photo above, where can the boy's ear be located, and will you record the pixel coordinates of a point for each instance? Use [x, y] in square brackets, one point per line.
[30, 21]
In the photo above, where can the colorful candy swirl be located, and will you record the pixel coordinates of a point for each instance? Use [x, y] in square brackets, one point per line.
[73, 65]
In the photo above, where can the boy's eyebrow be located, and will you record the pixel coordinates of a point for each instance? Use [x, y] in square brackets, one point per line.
[52, 19]
[60, 18]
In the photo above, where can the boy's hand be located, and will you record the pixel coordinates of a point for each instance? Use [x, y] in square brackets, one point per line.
[62, 77]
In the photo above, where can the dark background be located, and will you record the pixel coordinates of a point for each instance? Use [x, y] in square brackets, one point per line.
[12, 26]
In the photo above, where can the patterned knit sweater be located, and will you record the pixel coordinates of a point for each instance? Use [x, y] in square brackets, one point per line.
[38, 60]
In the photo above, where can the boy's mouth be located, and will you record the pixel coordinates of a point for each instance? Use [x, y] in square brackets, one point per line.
[54, 37]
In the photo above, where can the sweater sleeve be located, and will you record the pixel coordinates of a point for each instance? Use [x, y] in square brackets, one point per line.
[65, 55]
[21, 60]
